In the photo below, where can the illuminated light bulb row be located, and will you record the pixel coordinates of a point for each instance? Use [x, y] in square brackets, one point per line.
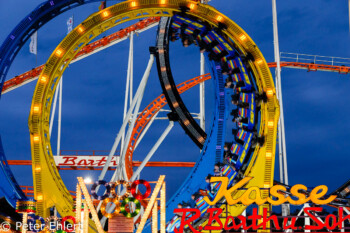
[90, 205]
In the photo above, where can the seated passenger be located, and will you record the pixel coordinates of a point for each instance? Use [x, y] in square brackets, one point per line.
[240, 104]
[229, 84]
[236, 151]
[186, 39]
[244, 118]
[232, 162]
[217, 169]
[237, 118]
[241, 84]
[230, 173]
[174, 36]
[192, 202]
[229, 66]
[211, 188]
[227, 147]
[207, 180]
[208, 42]
[179, 206]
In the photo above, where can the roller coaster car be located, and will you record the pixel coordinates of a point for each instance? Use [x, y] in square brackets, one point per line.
[229, 65]
[217, 46]
[173, 223]
[243, 76]
[202, 205]
[189, 26]
[226, 171]
[241, 152]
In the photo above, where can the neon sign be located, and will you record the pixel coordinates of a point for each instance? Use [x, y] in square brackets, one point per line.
[257, 221]
[299, 195]
[315, 195]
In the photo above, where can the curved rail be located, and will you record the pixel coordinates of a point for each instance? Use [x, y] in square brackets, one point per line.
[48, 184]
[9, 186]
[213, 42]
[89, 49]
[9, 49]
[42, 14]
[184, 117]
[33, 74]
[215, 139]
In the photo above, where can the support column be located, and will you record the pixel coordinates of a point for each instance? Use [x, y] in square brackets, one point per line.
[153, 150]
[202, 94]
[121, 131]
[59, 118]
[281, 130]
[54, 107]
[131, 65]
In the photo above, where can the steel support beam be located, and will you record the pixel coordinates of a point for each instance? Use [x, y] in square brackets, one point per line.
[153, 150]
[125, 122]
[202, 93]
[59, 118]
[143, 164]
[54, 107]
[281, 130]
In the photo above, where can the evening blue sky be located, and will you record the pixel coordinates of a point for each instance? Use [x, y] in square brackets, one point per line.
[315, 103]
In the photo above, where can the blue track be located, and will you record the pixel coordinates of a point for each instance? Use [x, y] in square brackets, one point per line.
[9, 186]
[213, 146]
[8, 51]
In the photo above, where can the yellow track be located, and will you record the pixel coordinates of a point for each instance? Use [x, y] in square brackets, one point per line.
[49, 190]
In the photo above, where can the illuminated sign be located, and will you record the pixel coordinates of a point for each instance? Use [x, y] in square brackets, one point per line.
[256, 221]
[297, 195]
[90, 161]
[298, 191]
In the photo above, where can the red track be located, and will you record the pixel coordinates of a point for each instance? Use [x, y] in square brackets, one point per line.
[313, 67]
[88, 49]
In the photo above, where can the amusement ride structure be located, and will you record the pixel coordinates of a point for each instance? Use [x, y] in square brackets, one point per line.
[232, 57]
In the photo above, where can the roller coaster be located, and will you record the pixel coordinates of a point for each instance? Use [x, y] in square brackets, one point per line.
[246, 102]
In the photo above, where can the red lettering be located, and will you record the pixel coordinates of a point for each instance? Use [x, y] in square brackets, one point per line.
[234, 226]
[291, 224]
[68, 161]
[341, 219]
[267, 220]
[254, 217]
[114, 161]
[319, 224]
[327, 222]
[188, 221]
[82, 163]
[91, 162]
[101, 162]
[214, 216]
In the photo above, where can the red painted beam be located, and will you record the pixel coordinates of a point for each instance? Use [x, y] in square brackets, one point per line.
[135, 163]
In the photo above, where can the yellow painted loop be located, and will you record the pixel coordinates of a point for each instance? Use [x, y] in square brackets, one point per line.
[48, 185]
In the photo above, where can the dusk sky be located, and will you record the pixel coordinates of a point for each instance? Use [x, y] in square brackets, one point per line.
[315, 103]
